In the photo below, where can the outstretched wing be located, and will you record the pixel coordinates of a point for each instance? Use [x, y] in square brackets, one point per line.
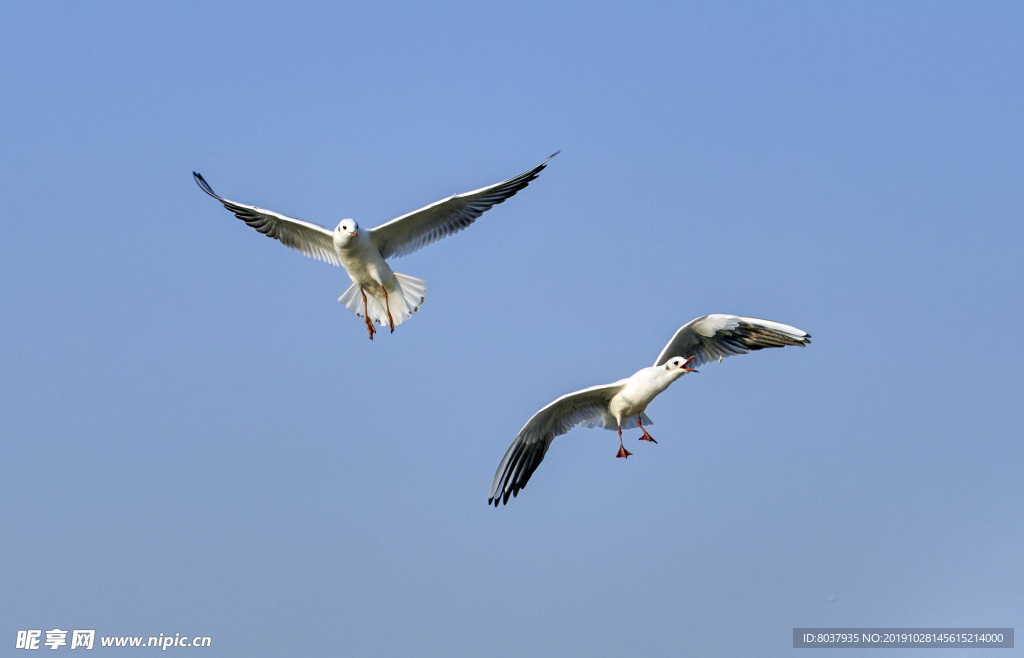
[587, 407]
[718, 336]
[408, 233]
[311, 239]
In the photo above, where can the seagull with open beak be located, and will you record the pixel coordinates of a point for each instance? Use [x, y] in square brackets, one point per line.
[621, 405]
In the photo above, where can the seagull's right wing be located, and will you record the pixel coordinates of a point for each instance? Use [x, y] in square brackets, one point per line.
[311, 239]
[717, 336]
[404, 235]
[587, 407]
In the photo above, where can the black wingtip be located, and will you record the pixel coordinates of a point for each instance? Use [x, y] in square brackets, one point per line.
[203, 185]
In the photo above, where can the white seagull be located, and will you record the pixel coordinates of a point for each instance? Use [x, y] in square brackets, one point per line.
[621, 405]
[377, 293]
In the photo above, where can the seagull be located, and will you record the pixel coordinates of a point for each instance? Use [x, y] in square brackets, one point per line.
[378, 294]
[621, 405]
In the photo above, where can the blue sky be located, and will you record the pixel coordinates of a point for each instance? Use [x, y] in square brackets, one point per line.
[199, 439]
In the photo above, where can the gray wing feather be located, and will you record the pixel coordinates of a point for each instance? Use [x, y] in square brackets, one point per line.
[311, 239]
[413, 231]
[717, 336]
[588, 407]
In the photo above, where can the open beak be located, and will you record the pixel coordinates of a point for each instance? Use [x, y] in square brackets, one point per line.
[686, 363]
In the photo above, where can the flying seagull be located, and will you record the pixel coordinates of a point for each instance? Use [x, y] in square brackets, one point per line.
[621, 405]
[378, 294]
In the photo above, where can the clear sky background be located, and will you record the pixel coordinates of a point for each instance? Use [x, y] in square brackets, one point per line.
[198, 439]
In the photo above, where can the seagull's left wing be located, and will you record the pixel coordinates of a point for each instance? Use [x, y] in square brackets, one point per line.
[587, 407]
[408, 233]
[308, 238]
[717, 336]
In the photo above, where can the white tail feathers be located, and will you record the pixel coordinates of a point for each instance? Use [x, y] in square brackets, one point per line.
[414, 290]
[607, 421]
[410, 294]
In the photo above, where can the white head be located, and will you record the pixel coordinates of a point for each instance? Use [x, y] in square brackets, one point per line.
[345, 231]
[677, 365]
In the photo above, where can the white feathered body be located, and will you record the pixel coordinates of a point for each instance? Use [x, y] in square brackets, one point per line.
[371, 274]
[639, 391]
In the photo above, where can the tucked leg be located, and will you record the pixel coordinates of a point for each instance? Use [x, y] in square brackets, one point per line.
[387, 306]
[646, 436]
[622, 449]
[366, 315]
